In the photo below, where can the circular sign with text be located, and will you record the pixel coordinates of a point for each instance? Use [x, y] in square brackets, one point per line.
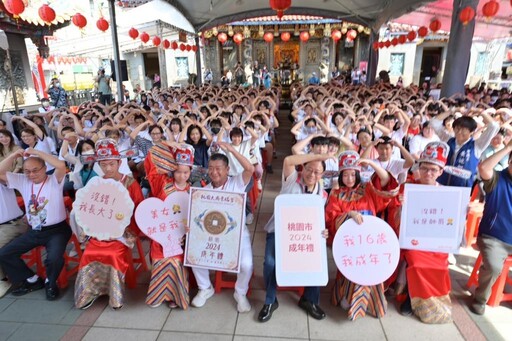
[103, 208]
[366, 254]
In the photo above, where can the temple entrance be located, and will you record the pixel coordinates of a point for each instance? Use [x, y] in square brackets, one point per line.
[430, 64]
[286, 60]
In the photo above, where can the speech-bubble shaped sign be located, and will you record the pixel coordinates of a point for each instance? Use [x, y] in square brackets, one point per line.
[103, 208]
[164, 221]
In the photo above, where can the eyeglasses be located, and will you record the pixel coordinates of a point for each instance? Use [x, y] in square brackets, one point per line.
[315, 172]
[428, 170]
[155, 134]
[25, 136]
[33, 171]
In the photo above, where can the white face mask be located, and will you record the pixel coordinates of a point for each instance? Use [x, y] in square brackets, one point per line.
[88, 152]
[57, 84]
[45, 104]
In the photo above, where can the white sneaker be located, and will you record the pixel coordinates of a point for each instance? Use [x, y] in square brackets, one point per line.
[249, 219]
[4, 287]
[260, 187]
[243, 305]
[202, 296]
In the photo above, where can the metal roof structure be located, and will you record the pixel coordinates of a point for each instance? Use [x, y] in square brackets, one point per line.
[205, 14]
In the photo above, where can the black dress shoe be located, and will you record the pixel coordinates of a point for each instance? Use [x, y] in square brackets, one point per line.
[266, 312]
[27, 287]
[52, 292]
[312, 309]
[406, 307]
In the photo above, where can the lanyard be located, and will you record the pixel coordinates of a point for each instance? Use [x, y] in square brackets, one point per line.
[35, 200]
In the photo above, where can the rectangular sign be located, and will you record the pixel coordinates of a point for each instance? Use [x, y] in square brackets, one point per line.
[216, 222]
[301, 255]
[433, 218]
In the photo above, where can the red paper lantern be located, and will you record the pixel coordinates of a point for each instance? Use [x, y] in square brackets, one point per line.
[381, 44]
[15, 7]
[411, 35]
[304, 36]
[46, 13]
[144, 37]
[238, 38]
[466, 15]
[387, 43]
[423, 31]
[156, 41]
[285, 36]
[375, 45]
[268, 37]
[402, 39]
[182, 47]
[352, 34]
[336, 35]
[435, 25]
[490, 9]
[79, 20]
[133, 33]
[166, 44]
[174, 45]
[102, 24]
[188, 47]
[194, 48]
[222, 37]
[394, 41]
[280, 6]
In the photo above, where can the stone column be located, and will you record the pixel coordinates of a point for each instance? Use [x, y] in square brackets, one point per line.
[373, 59]
[459, 48]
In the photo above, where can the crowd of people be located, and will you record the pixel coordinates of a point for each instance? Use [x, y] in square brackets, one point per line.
[355, 146]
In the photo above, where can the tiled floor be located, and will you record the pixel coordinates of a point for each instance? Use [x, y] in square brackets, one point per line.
[33, 318]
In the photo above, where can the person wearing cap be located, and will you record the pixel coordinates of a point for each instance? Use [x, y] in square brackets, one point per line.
[218, 170]
[46, 215]
[308, 181]
[58, 96]
[425, 274]
[397, 167]
[354, 199]
[104, 264]
[464, 150]
[495, 231]
[314, 80]
[168, 274]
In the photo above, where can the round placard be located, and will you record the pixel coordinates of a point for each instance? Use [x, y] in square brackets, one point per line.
[103, 208]
[366, 254]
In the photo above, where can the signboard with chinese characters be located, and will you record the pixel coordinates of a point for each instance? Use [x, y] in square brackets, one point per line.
[103, 208]
[301, 255]
[164, 221]
[366, 254]
[433, 217]
[216, 221]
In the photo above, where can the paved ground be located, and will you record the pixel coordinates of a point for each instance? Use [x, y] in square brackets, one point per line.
[33, 318]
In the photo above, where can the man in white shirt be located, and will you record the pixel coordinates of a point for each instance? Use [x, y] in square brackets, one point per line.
[218, 170]
[308, 181]
[46, 214]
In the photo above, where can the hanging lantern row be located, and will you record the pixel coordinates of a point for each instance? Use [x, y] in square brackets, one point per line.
[157, 41]
[435, 25]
